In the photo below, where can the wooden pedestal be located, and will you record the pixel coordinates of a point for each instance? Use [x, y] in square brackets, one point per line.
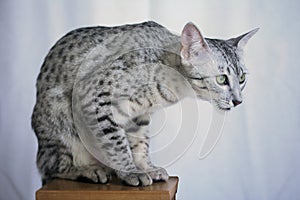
[72, 190]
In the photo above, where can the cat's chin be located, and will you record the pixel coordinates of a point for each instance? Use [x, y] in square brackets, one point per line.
[220, 107]
[225, 109]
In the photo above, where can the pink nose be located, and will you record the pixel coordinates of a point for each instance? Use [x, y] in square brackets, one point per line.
[236, 102]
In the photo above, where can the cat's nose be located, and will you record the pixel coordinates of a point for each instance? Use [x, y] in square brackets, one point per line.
[236, 102]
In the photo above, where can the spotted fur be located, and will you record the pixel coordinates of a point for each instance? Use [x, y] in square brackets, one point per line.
[104, 82]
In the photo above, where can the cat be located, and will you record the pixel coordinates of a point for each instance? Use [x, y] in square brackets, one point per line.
[104, 82]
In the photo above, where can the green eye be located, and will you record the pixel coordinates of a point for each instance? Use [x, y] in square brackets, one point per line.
[222, 80]
[242, 78]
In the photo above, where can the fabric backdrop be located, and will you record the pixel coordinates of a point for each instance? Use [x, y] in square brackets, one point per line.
[257, 156]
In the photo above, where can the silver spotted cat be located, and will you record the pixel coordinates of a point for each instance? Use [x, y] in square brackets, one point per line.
[104, 82]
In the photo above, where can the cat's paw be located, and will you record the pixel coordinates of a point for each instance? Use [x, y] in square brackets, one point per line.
[95, 175]
[135, 179]
[158, 174]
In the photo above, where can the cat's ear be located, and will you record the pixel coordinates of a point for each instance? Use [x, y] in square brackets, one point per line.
[241, 41]
[190, 36]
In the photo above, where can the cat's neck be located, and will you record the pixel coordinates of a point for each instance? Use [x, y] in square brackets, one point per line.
[172, 56]
[177, 79]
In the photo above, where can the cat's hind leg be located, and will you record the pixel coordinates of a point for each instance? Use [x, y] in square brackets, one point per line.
[57, 160]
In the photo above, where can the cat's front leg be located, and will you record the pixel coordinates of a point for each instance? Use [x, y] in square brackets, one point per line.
[116, 154]
[102, 120]
[139, 144]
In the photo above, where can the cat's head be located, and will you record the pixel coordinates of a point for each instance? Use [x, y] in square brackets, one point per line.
[215, 68]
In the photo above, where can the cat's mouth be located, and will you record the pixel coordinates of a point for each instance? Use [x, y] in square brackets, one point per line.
[224, 109]
[221, 107]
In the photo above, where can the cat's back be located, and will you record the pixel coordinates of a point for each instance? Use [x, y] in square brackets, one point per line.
[61, 64]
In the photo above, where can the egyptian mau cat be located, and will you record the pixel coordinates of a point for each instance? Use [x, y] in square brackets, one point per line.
[103, 82]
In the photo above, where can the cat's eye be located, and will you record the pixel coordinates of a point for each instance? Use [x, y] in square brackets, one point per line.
[222, 80]
[242, 78]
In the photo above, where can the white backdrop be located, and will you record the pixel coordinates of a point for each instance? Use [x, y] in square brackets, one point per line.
[258, 154]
